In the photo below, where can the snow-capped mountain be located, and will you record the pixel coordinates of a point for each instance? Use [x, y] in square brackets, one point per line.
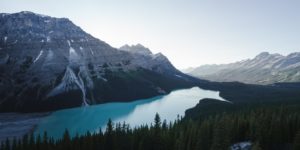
[265, 68]
[137, 49]
[49, 63]
[144, 57]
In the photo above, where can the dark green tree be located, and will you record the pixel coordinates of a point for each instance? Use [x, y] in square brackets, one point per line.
[109, 141]
[297, 141]
[66, 141]
[2, 145]
[14, 145]
[256, 146]
[157, 121]
[7, 144]
[220, 136]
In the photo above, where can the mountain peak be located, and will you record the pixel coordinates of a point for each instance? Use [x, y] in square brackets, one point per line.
[262, 55]
[26, 26]
[138, 49]
[269, 55]
[24, 13]
[140, 45]
[292, 55]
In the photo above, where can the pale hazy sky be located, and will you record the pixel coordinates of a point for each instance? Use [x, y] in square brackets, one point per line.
[188, 32]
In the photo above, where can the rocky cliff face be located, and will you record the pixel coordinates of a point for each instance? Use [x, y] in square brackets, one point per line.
[265, 68]
[49, 63]
[145, 58]
[136, 49]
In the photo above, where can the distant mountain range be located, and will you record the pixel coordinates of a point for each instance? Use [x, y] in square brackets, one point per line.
[265, 68]
[49, 63]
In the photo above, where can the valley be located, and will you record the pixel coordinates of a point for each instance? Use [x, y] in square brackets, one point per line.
[62, 88]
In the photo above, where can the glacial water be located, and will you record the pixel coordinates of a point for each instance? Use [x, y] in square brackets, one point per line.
[139, 112]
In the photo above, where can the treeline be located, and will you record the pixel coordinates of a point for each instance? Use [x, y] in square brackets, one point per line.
[267, 128]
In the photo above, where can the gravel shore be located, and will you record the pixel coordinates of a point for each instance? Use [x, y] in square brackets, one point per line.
[18, 124]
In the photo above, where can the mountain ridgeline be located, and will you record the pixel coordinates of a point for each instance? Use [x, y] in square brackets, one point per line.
[49, 63]
[265, 68]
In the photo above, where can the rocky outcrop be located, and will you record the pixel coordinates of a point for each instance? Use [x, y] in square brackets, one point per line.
[145, 58]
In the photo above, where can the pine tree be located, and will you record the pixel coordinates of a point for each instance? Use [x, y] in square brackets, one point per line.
[256, 146]
[109, 135]
[215, 132]
[109, 126]
[157, 121]
[19, 145]
[297, 141]
[164, 125]
[2, 145]
[31, 141]
[14, 144]
[66, 141]
[45, 141]
[7, 144]
[220, 136]
[157, 139]
[25, 142]
[38, 142]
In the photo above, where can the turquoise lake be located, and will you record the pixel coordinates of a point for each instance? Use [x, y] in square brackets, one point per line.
[139, 112]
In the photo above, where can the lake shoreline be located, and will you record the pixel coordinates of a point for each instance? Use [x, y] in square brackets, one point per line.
[135, 113]
[74, 118]
[16, 125]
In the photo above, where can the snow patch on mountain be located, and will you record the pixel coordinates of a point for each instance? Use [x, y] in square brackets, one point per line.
[68, 83]
[84, 73]
[83, 89]
[73, 56]
[49, 56]
[72, 82]
[37, 58]
[92, 51]
[72, 51]
[179, 76]
[102, 78]
[69, 43]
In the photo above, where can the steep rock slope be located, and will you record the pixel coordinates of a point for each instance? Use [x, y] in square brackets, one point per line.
[144, 57]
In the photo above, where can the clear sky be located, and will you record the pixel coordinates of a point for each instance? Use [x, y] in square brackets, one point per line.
[189, 32]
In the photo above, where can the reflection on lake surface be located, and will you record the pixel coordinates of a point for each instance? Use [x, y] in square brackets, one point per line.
[91, 118]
